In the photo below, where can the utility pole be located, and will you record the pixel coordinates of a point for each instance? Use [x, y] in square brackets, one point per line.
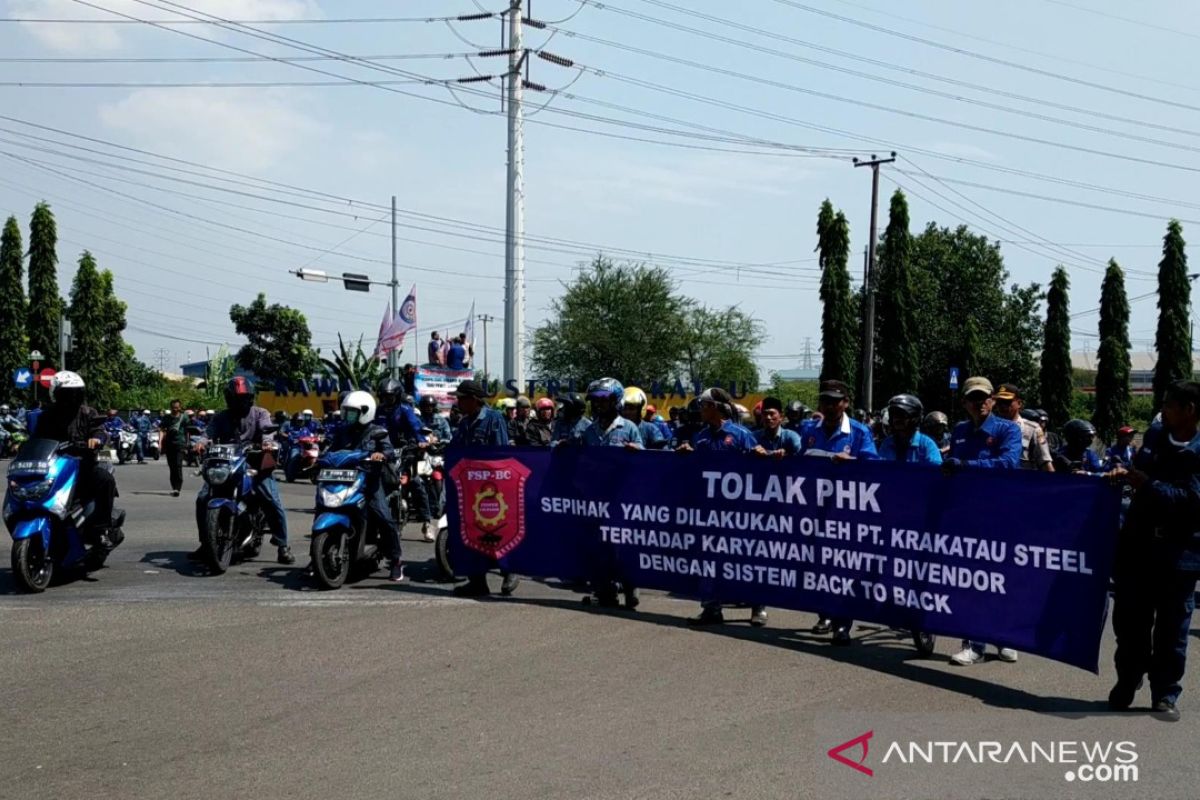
[807, 362]
[514, 251]
[868, 378]
[393, 356]
[161, 354]
[485, 319]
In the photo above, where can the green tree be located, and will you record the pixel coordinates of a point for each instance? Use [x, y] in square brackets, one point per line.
[898, 369]
[717, 347]
[355, 367]
[623, 321]
[279, 345]
[839, 325]
[45, 303]
[97, 318]
[1112, 374]
[965, 317]
[14, 348]
[1173, 339]
[1055, 372]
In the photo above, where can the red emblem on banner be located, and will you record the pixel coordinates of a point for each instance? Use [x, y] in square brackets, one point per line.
[491, 504]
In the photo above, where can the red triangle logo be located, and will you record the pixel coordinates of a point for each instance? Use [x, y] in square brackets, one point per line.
[836, 753]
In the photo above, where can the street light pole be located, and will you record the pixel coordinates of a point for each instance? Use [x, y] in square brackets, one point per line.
[485, 319]
[868, 367]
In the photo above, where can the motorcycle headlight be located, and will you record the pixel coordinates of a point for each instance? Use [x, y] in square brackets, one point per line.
[334, 498]
[216, 475]
[30, 491]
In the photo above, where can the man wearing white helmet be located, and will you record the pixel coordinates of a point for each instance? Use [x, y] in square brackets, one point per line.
[70, 421]
[359, 432]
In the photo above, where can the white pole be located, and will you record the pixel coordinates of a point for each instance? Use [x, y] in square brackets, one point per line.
[514, 253]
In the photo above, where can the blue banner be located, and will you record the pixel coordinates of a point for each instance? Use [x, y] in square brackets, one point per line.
[1014, 558]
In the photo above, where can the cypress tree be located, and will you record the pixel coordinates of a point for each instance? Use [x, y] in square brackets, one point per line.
[899, 369]
[837, 318]
[1112, 375]
[14, 349]
[45, 304]
[1173, 340]
[86, 313]
[1055, 375]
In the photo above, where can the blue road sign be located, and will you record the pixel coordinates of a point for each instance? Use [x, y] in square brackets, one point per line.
[954, 377]
[22, 377]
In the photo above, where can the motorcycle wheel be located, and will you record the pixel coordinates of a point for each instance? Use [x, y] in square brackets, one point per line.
[31, 565]
[442, 554]
[218, 539]
[925, 643]
[330, 559]
[121, 457]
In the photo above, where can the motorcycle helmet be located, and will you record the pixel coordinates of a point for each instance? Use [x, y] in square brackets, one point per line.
[390, 391]
[693, 411]
[145, 412]
[239, 393]
[633, 396]
[4, 409]
[358, 408]
[1042, 417]
[544, 409]
[523, 402]
[607, 388]
[935, 424]
[506, 403]
[428, 401]
[1029, 414]
[906, 404]
[1079, 433]
[66, 389]
[573, 405]
[408, 400]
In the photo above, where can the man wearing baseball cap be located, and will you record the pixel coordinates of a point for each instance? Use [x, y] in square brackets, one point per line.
[1121, 454]
[988, 442]
[836, 436]
[1035, 449]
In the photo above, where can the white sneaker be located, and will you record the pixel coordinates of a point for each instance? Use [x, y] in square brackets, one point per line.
[966, 657]
[1008, 654]
[427, 531]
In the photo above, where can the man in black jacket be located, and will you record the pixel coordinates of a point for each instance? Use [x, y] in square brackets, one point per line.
[1158, 556]
[70, 421]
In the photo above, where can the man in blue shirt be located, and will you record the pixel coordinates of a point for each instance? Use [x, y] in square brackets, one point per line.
[774, 440]
[1076, 454]
[719, 434]
[141, 424]
[987, 442]
[456, 356]
[907, 443]
[633, 410]
[840, 438]
[1121, 454]
[481, 427]
[1157, 561]
[571, 422]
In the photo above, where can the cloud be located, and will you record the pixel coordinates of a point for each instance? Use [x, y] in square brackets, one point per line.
[69, 37]
[241, 129]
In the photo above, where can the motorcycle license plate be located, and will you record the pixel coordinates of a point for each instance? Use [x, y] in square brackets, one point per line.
[337, 476]
[424, 468]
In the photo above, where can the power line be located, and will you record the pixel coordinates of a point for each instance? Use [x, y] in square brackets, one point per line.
[279, 21]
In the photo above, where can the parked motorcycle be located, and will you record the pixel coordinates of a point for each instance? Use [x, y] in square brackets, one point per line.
[150, 446]
[342, 538]
[441, 550]
[235, 524]
[304, 451]
[45, 517]
[11, 441]
[195, 446]
[127, 440]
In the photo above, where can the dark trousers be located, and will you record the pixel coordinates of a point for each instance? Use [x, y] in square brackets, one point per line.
[1152, 614]
[174, 454]
[379, 514]
[97, 485]
[270, 502]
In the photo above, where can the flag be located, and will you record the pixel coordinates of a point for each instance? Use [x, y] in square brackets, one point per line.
[405, 320]
[380, 352]
[469, 328]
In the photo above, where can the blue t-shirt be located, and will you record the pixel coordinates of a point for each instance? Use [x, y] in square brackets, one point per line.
[781, 439]
[730, 436]
[489, 428]
[456, 357]
[996, 444]
[851, 437]
[565, 430]
[921, 450]
[652, 436]
[620, 433]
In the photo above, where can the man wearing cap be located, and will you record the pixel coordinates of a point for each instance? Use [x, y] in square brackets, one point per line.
[718, 433]
[481, 427]
[1035, 449]
[1121, 454]
[774, 440]
[834, 435]
[988, 442]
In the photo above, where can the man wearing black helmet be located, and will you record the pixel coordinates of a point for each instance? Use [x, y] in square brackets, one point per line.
[242, 422]
[936, 425]
[571, 422]
[797, 414]
[1076, 454]
[907, 443]
[690, 425]
[405, 427]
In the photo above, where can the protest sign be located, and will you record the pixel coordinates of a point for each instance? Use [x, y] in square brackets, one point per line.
[1014, 558]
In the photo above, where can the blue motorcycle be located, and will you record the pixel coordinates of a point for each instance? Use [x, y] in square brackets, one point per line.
[45, 516]
[342, 539]
[235, 524]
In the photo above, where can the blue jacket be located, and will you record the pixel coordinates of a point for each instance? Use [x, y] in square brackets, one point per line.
[569, 430]
[141, 423]
[652, 435]
[730, 436]
[620, 433]
[1088, 461]
[921, 450]
[782, 439]
[456, 356]
[851, 437]
[996, 444]
[440, 427]
[1164, 517]
[1120, 455]
[405, 426]
[487, 429]
[114, 425]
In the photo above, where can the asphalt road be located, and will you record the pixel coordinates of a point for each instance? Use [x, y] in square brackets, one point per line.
[150, 679]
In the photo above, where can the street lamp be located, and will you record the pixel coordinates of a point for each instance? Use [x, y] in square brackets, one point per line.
[313, 275]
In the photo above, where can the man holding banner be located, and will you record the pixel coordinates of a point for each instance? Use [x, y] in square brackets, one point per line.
[1158, 557]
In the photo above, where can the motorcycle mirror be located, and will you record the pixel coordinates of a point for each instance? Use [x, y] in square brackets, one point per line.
[379, 435]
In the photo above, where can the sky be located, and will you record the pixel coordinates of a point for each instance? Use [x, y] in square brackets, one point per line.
[700, 136]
